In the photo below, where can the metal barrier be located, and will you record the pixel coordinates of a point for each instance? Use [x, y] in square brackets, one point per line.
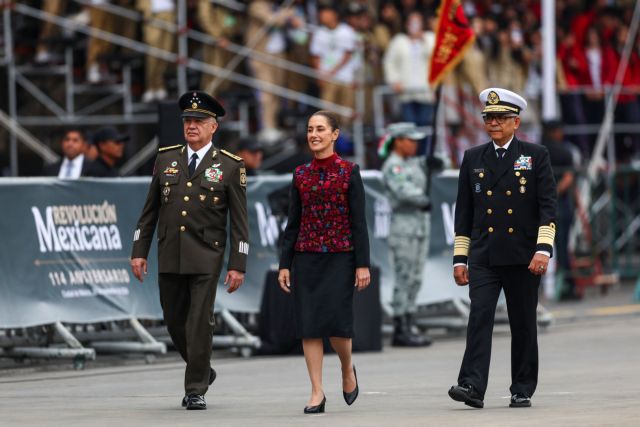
[624, 215]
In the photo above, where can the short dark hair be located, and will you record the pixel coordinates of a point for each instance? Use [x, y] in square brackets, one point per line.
[79, 131]
[331, 117]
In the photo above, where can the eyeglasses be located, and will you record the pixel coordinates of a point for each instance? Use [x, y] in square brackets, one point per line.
[489, 118]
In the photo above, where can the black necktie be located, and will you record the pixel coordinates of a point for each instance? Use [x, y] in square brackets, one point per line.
[501, 152]
[192, 164]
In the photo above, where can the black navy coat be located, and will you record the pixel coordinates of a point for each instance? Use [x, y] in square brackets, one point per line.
[505, 209]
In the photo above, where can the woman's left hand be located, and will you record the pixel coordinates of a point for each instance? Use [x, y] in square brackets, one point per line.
[363, 278]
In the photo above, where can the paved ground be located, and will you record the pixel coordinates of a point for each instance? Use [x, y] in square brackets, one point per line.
[590, 374]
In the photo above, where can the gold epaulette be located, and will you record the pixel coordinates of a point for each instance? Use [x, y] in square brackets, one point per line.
[233, 156]
[173, 147]
[461, 246]
[546, 234]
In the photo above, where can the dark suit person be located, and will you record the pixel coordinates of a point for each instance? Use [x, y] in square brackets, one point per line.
[505, 227]
[195, 187]
[110, 144]
[73, 164]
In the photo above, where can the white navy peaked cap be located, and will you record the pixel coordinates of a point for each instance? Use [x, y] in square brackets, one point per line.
[501, 101]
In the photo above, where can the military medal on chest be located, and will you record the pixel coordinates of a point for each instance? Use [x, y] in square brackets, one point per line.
[213, 174]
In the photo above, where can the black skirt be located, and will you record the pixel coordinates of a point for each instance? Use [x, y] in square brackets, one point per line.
[323, 286]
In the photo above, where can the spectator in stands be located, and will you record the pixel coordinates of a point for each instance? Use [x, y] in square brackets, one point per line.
[508, 66]
[110, 145]
[406, 67]
[54, 7]
[251, 152]
[332, 48]
[570, 79]
[628, 108]
[100, 20]
[266, 34]
[74, 163]
[223, 24]
[157, 37]
[564, 173]
[591, 58]
[298, 50]
[389, 24]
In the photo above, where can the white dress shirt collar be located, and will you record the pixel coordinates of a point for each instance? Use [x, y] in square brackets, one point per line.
[76, 167]
[201, 153]
[505, 146]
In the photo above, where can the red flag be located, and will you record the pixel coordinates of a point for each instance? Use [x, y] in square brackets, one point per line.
[453, 38]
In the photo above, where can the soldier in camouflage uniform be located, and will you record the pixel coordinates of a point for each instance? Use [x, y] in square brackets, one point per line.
[406, 181]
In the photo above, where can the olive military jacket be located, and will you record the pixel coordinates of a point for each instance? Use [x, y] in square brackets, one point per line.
[505, 209]
[191, 213]
[406, 183]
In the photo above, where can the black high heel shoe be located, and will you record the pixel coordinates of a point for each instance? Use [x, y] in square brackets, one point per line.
[351, 397]
[318, 409]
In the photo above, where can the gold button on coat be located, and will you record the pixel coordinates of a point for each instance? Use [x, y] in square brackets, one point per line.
[216, 199]
[189, 184]
[489, 193]
[508, 192]
[481, 175]
[517, 173]
[490, 229]
[186, 198]
[510, 230]
[184, 213]
[489, 211]
[216, 243]
[182, 228]
[510, 211]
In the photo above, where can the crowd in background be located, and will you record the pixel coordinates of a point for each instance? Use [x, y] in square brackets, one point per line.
[366, 44]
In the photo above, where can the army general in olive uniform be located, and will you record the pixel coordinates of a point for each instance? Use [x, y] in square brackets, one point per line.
[195, 188]
[405, 178]
[505, 226]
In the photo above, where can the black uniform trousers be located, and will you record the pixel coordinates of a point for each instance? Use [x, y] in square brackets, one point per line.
[187, 305]
[521, 291]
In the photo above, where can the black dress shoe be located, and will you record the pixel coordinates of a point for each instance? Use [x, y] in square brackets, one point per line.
[185, 401]
[212, 375]
[196, 401]
[352, 396]
[318, 409]
[466, 393]
[520, 400]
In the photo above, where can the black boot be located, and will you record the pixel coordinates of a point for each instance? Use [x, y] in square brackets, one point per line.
[411, 325]
[402, 336]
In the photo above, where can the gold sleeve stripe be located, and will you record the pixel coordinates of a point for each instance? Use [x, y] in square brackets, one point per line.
[546, 234]
[461, 246]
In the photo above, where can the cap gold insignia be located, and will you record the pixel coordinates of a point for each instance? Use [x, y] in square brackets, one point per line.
[493, 98]
[194, 105]
[522, 189]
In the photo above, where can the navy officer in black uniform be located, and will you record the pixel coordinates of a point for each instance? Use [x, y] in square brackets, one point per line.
[505, 227]
[194, 189]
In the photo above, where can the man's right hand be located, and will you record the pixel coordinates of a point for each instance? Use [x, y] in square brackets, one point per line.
[139, 268]
[461, 275]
